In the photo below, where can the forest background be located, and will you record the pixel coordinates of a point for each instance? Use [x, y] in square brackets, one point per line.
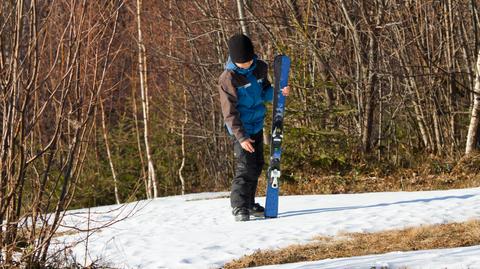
[107, 102]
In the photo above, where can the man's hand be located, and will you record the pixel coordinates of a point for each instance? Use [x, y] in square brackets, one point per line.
[247, 145]
[286, 91]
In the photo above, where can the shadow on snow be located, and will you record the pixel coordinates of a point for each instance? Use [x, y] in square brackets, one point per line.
[321, 210]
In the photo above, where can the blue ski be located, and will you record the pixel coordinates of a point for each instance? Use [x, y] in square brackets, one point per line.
[281, 69]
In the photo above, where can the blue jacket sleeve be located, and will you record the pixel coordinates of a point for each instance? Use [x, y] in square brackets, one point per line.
[267, 91]
[267, 94]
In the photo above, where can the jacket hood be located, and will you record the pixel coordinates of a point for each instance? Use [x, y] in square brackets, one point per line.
[230, 65]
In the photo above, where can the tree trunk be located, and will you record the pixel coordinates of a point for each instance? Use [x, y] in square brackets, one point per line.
[185, 121]
[370, 94]
[474, 119]
[241, 16]
[142, 66]
[109, 154]
[372, 81]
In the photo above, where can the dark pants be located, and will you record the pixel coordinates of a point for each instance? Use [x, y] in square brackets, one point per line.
[248, 167]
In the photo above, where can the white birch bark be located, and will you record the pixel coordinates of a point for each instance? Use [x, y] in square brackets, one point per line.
[241, 16]
[109, 155]
[142, 66]
[474, 119]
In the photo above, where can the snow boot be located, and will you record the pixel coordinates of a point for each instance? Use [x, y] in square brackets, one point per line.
[241, 214]
[257, 210]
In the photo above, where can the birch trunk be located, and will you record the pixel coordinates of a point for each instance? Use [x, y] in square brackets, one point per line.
[109, 155]
[142, 66]
[474, 119]
[241, 16]
[180, 170]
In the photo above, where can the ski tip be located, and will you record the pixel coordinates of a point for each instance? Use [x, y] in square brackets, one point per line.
[282, 60]
[282, 57]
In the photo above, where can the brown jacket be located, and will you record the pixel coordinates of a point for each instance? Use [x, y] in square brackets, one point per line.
[228, 83]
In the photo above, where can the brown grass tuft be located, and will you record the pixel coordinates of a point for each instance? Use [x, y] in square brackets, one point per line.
[358, 244]
[469, 164]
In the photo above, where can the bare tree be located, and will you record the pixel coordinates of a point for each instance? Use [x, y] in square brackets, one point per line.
[182, 165]
[109, 154]
[48, 110]
[142, 66]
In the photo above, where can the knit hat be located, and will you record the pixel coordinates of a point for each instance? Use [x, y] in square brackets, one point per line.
[240, 48]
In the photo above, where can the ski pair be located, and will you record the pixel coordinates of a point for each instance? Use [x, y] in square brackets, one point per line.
[281, 70]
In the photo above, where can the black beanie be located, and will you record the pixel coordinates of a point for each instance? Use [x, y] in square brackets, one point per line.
[240, 48]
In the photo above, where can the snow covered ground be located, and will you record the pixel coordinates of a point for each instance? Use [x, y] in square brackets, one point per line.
[198, 231]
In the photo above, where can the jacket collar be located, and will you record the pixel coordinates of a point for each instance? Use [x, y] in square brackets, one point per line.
[230, 65]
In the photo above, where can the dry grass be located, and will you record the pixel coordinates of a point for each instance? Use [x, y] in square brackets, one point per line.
[469, 164]
[399, 182]
[358, 244]
[433, 174]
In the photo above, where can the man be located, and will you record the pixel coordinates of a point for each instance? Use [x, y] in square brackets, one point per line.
[244, 89]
